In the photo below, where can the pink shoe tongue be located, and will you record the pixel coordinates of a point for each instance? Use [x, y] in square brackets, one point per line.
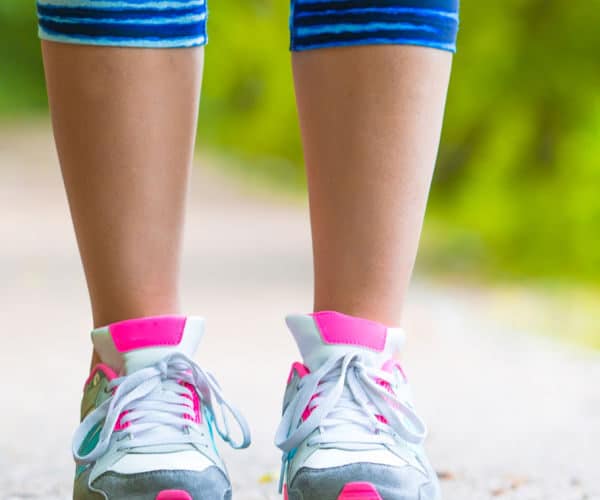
[134, 344]
[328, 333]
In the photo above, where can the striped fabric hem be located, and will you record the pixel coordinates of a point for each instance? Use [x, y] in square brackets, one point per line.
[330, 23]
[126, 23]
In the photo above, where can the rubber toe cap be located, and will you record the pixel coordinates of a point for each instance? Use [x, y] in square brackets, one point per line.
[210, 484]
[391, 483]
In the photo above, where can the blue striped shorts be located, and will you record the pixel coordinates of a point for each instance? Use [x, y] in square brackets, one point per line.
[313, 23]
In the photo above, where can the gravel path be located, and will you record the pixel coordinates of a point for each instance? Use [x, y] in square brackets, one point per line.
[512, 416]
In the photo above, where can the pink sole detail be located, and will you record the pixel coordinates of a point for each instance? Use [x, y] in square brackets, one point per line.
[147, 332]
[174, 495]
[352, 491]
[341, 329]
[359, 491]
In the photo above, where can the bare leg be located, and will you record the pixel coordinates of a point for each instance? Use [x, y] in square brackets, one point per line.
[370, 118]
[124, 122]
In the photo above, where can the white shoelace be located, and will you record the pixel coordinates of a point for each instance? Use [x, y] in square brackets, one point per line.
[348, 399]
[155, 398]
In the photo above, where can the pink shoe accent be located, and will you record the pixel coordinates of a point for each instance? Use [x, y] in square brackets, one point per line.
[390, 366]
[195, 399]
[195, 404]
[285, 493]
[309, 409]
[393, 364]
[359, 491]
[382, 419]
[299, 369]
[106, 370]
[147, 332]
[174, 495]
[119, 426]
[337, 328]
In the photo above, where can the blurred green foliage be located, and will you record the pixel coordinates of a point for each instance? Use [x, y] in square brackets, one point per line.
[21, 74]
[517, 189]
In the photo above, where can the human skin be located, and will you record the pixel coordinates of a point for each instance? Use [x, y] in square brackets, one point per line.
[124, 122]
[370, 118]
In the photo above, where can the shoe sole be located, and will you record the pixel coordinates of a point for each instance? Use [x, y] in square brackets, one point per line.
[352, 491]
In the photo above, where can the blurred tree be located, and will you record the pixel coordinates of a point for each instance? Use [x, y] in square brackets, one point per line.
[21, 74]
[518, 184]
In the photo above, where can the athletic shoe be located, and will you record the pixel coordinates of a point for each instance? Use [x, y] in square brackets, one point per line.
[349, 430]
[148, 417]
